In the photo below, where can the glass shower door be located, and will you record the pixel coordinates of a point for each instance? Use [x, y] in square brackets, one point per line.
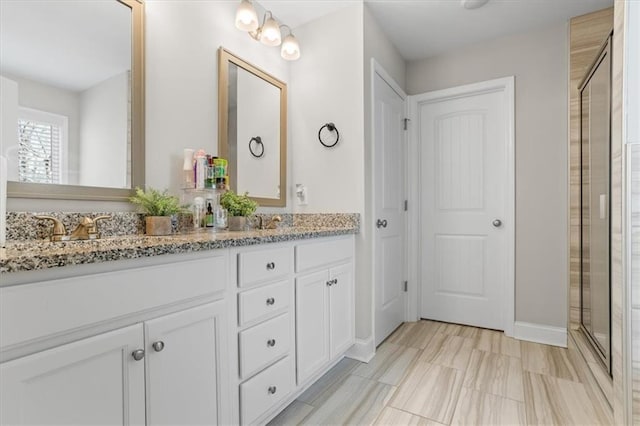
[596, 185]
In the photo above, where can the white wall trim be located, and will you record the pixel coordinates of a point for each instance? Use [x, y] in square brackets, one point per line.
[548, 335]
[507, 86]
[363, 350]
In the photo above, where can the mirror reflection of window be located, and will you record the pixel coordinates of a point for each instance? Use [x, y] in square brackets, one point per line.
[68, 59]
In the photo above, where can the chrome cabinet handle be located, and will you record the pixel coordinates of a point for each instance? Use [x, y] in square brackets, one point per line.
[271, 342]
[158, 346]
[335, 281]
[271, 301]
[497, 223]
[271, 266]
[272, 390]
[138, 354]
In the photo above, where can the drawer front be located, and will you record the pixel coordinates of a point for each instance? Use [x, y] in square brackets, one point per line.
[262, 344]
[316, 254]
[266, 390]
[49, 307]
[260, 302]
[263, 265]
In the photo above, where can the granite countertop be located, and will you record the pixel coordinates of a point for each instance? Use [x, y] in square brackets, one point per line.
[37, 254]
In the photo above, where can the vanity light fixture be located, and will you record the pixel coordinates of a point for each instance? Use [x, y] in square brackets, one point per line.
[246, 17]
[269, 32]
[290, 47]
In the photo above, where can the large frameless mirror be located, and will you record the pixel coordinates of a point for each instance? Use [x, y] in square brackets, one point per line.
[72, 98]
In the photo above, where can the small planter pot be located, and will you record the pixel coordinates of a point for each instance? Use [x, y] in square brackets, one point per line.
[237, 223]
[158, 225]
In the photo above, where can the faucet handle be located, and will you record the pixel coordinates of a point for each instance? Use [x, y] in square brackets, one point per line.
[58, 227]
[94, 225]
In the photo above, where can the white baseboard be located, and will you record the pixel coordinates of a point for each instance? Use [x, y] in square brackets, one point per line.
[556, 336]
[363, 350]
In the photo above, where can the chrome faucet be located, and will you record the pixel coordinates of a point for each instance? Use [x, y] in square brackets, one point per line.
[87, 229]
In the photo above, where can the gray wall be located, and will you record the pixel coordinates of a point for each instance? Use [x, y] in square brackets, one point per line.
[376, 45]
[538, 60]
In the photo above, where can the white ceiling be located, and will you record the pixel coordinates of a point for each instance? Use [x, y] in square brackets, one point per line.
[67, 44]
[423, 28]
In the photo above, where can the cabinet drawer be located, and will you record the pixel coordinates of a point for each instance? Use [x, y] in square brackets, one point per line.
[49, 307]
[263, 265]
[266, 390]
[264, 343]
[314, 255]
[259, 302]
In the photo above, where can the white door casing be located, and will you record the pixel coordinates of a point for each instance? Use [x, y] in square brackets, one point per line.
[465, 139]
[389, 269]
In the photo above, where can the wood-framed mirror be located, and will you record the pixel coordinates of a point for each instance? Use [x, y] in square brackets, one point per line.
[73, 77]
[252, 129]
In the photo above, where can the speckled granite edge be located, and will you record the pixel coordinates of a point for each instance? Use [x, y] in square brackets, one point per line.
[23, 226]
[37, 255]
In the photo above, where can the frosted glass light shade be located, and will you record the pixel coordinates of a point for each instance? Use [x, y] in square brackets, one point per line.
[246, 17]
[270, 34]
[290, 48]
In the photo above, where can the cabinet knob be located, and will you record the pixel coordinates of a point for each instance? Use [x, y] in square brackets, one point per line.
[329, 283]
[272, 389]
[138, 354]
[271, 266]
[271, 342]
[271, 301]
[335, 281]
[158, 346]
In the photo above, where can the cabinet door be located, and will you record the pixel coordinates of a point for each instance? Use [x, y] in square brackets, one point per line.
[186, 367]
[312, 323]
[91, 381]
[341, 303]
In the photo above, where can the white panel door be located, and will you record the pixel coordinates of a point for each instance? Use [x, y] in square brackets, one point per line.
[94, 381]
[388, 172]
[186, 354]
[341, 306]
[312, 323]
[465, 223]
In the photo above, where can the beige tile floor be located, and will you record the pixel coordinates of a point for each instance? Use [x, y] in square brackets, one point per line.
[431, 373]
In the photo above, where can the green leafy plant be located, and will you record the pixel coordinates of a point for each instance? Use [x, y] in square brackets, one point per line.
[238, 205]
[156, 203]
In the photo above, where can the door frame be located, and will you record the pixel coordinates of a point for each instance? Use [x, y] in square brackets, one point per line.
[507, 86]
[377, 69]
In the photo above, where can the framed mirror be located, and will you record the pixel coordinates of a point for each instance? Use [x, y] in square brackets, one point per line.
[252, 128]
[72, 98]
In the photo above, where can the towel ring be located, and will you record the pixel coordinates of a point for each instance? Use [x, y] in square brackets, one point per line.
[332, 128]
[259, 144]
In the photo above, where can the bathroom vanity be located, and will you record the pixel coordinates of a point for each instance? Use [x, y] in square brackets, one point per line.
[219, 329]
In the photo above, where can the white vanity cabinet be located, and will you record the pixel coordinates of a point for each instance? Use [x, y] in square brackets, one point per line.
[163, 360]
[324, 305]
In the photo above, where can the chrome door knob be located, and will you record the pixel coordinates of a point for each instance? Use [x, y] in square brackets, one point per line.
[497, 223]
[138, 354]
[158, 346]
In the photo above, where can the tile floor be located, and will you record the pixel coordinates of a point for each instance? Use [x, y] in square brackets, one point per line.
[431, 373]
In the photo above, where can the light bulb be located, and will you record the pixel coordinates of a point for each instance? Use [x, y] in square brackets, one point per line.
[271, 35]
[246, 17]
[290, 48]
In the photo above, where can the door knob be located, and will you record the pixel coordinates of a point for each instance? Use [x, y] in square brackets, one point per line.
[138, 354]
[497, 223]
[158, 346]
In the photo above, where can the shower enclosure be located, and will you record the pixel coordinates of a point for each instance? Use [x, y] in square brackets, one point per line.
[595, 303]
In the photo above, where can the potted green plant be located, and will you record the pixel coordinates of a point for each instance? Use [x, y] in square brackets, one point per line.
[238, 207]
[158, 208]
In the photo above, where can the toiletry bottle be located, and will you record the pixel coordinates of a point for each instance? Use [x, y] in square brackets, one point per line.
[201, 169]
[208, 218]
[187, 169]
[198, 212]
